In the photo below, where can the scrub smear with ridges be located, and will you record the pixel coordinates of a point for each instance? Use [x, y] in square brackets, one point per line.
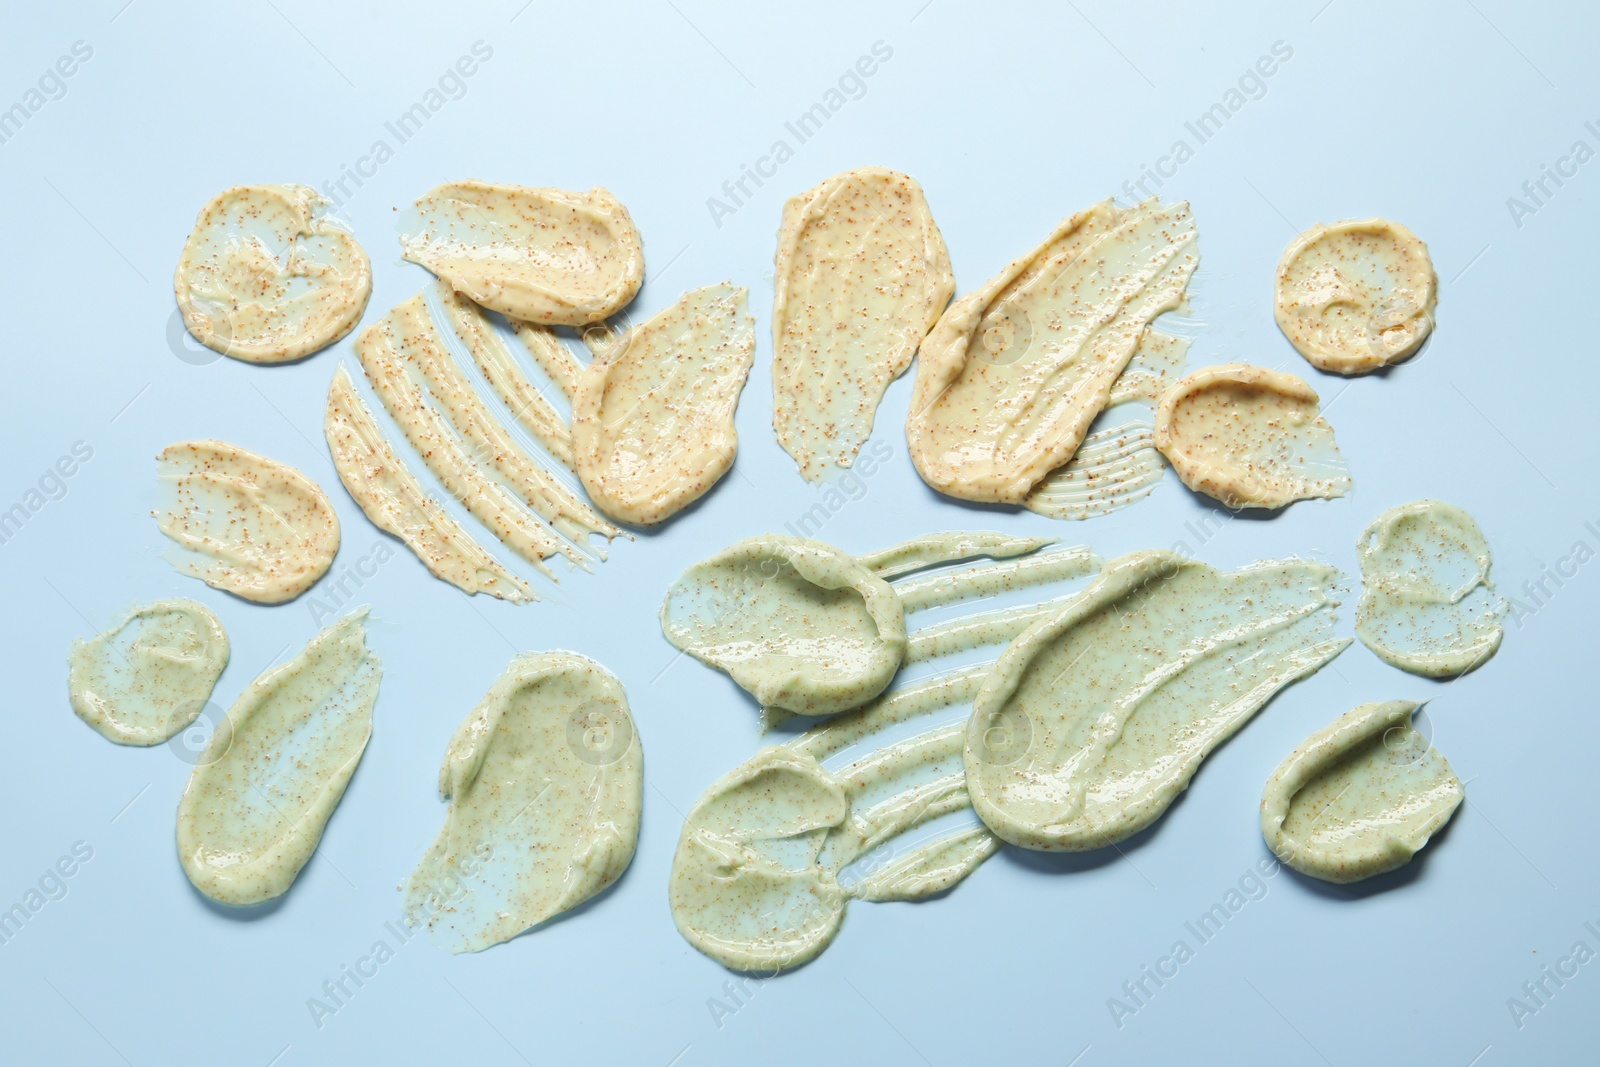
[148, 676]
[1427, 605]
[871, 804]
[1095, 718]
[808, 629]
[1356, 296]
[390, 495]
[1117, 463]
[1012, 375]
[277, 766]
[1359, 797]
[861, 274]
[542, 255]
[1250, 437]
[544, 780]
[528, 405]
[244, 523]
[457, 439]
[268, 275]
[652, 414]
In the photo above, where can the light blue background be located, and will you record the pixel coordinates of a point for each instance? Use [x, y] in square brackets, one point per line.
[1011, 117]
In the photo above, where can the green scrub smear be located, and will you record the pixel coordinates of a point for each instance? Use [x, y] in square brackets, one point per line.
[149, 676]
[1360, 797]
[1095, 719]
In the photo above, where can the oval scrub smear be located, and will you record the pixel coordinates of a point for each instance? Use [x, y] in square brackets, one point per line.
[268, 275]
[541, 255]
[1356, 296]
[1427, 605]
[799, 624]
[243, 523]
[1250, 437]
[1359, 797]
[149, 676]
[276, 767]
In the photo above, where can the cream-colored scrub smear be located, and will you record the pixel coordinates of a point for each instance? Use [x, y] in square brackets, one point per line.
[468, 450]
[772, 853]
[652, 417]
[1012, 375]
[1095, 719]
[543, 255]
[1359, 797]
[1427, 605]
[268, 275]
[277, 766]
[545, 781]
[1355, 296]
[798, 624]
[861, 274]
[244, 523]
[1250, 437]
[390, 495]
[150, 675]
[532, 411]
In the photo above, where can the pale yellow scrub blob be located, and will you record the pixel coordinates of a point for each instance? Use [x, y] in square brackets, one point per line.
[1355, 296]
[799, 624]
[545, 781]
[1094, 719]
[1360, 797]
[1249, 437]
[543, 255]
[390, 495]
[150, 675]
[861, 274]
[269, 276]
[244, 523]
[652, 415]
[1427, 605]
[1012, 375]
[277, 766]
